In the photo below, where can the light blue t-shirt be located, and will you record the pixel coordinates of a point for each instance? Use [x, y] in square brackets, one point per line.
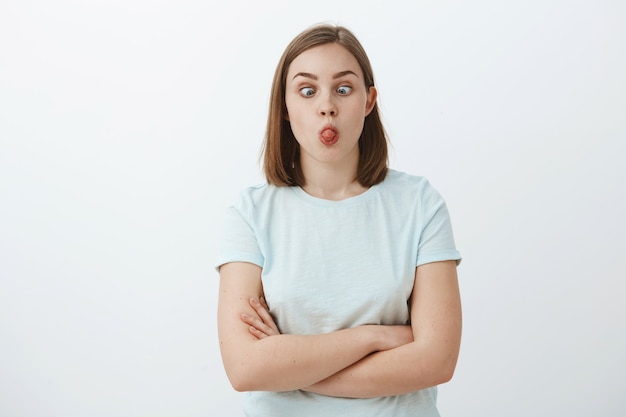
[329, 265]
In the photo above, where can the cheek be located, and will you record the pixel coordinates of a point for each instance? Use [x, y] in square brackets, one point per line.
[295, 113]
[291, 108]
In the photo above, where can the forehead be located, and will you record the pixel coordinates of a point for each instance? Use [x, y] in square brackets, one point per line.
[327, 59]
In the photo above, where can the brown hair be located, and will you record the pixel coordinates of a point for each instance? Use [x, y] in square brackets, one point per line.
[281, 151]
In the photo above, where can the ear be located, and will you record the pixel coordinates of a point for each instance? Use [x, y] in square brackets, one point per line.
[372, 95]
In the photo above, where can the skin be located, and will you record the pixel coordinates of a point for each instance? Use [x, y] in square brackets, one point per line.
[325, 88]
[286, 362]
[428, 359]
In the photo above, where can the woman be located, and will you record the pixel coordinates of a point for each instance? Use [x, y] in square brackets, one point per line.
[338, 285]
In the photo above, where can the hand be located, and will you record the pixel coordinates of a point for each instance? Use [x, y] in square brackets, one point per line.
[395, 336]
[264, 325]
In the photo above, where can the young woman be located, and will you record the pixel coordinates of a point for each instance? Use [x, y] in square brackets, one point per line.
[338, 285]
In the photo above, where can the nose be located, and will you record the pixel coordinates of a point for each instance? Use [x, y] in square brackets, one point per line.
[328, 112]
[327, 107]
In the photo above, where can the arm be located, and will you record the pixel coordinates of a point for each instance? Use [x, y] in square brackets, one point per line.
[427, 361]
[284, 362]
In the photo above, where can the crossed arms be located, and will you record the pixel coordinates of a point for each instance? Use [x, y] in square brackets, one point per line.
[360, 362]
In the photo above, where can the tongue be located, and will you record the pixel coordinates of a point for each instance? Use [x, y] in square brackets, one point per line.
[328, 135]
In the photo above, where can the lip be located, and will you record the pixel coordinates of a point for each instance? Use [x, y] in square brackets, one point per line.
[328, 135]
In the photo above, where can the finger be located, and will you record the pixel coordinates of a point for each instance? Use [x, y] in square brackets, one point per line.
[263, 302]
[264, 315]
[256, 333]
[257, 324]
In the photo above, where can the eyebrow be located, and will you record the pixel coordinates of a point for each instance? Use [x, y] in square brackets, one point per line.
[315, 77]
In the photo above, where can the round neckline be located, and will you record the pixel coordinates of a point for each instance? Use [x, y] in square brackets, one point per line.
[350, 201]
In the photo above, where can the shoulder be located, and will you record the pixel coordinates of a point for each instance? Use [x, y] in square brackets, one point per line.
[402, 182]
[411, 191]
[254, 192]
[259, 197]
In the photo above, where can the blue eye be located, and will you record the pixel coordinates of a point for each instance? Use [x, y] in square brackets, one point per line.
[307, 91]
[344, 90]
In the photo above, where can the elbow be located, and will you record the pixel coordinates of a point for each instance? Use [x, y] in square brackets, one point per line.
[249, 374]
[241, 381]
[237, 382]
[445, 358]
[250, 378]
[239, 386]
[243, 375]
[437, 368]
[437, 376]
[445, 371]
[446, 374]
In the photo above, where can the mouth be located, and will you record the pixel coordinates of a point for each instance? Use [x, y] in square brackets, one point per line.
[329, 135]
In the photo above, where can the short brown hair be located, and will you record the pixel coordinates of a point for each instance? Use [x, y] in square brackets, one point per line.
[281, 151]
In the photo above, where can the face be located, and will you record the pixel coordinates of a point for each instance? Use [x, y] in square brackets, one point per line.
[327, 103]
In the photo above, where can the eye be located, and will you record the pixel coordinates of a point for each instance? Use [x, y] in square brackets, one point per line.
[307, 91]
[344, 90]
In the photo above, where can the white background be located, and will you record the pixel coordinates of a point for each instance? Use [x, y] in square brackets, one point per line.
[127, 127]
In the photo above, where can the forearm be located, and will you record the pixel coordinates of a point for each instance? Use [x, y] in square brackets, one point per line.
[392, 372]
[279, 362]
[288, 362]
[430, 359]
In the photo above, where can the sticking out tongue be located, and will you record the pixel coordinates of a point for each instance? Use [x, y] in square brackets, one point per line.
[328, 136]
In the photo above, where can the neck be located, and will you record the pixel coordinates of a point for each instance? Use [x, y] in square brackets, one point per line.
[331, 181]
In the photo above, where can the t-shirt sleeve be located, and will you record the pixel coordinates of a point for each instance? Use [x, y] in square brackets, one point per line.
[238, 241]
[436, 241]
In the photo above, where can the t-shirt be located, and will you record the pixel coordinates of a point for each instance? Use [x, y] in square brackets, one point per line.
[329, 265]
